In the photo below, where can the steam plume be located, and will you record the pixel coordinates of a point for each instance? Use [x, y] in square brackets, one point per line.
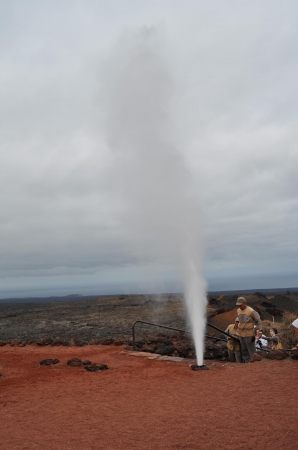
[159, 205]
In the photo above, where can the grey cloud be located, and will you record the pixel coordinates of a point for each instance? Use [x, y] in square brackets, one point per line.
[231, 112]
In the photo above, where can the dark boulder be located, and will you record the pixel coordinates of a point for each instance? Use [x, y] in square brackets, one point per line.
[94, 342]
[96, 367]
[74, 362]
[44, 341]
[107, 341]
[256, 357]
[277, 354]
[164, 340]
[163, 349]
[119, 342]
[60, 341]
[17, 343]
[79, 342]
[49, 361]
[184, 349]
[150, 348]
[215, 351]
[140, 343]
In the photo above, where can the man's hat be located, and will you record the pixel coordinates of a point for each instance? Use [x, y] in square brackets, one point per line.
[240, 300]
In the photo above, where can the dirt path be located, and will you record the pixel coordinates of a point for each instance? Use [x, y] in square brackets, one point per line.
[143, 404]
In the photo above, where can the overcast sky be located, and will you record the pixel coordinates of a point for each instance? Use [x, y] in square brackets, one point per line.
[216, 87]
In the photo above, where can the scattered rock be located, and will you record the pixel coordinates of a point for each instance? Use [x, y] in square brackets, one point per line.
[107, 341]
[184, 349]
[17, 343]
[103, 367]
[163, 349]
[277, 354]
[44, 341]
[49, 361]
[119, 342]
[256, 357]
[215, 351]
[140, 343]
[87, 362]
[149, 348]
[95, 367]
[60, 341]
[79, 342]
[74, 362]
[164, 339]
[95, 342]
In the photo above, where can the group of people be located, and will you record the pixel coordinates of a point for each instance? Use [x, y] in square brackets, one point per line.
[246, 336]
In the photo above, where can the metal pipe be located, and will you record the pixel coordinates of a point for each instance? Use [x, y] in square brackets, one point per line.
[218, 329]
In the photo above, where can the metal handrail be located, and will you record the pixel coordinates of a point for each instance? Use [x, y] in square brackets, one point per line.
[175, 329]
[155, 325]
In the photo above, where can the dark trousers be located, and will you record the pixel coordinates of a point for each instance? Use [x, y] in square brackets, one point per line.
[235, 355]
[248, 348]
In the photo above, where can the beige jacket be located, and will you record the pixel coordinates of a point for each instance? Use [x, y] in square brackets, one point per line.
[248, 318]
[232, 344]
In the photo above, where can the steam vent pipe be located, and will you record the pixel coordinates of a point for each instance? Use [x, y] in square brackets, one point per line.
[203, 366]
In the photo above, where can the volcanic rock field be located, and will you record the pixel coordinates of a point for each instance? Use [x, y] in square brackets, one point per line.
[109, 319]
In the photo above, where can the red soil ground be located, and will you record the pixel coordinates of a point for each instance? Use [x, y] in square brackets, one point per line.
[143, 404]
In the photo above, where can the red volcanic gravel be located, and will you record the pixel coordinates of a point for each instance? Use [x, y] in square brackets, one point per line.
[139, 403]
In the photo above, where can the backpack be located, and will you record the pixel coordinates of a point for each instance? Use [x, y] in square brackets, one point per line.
[278, 346]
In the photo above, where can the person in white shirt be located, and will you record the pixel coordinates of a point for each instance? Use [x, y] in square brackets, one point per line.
[295, 325]
[261, 343]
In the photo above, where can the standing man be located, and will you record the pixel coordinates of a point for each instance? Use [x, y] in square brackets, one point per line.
[233, 344]
[248, 319]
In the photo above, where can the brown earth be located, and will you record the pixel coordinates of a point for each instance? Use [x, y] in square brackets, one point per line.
[141, 403]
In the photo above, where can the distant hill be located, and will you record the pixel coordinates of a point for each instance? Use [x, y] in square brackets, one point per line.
[280, 295]
[71, 297]
[252, 291]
